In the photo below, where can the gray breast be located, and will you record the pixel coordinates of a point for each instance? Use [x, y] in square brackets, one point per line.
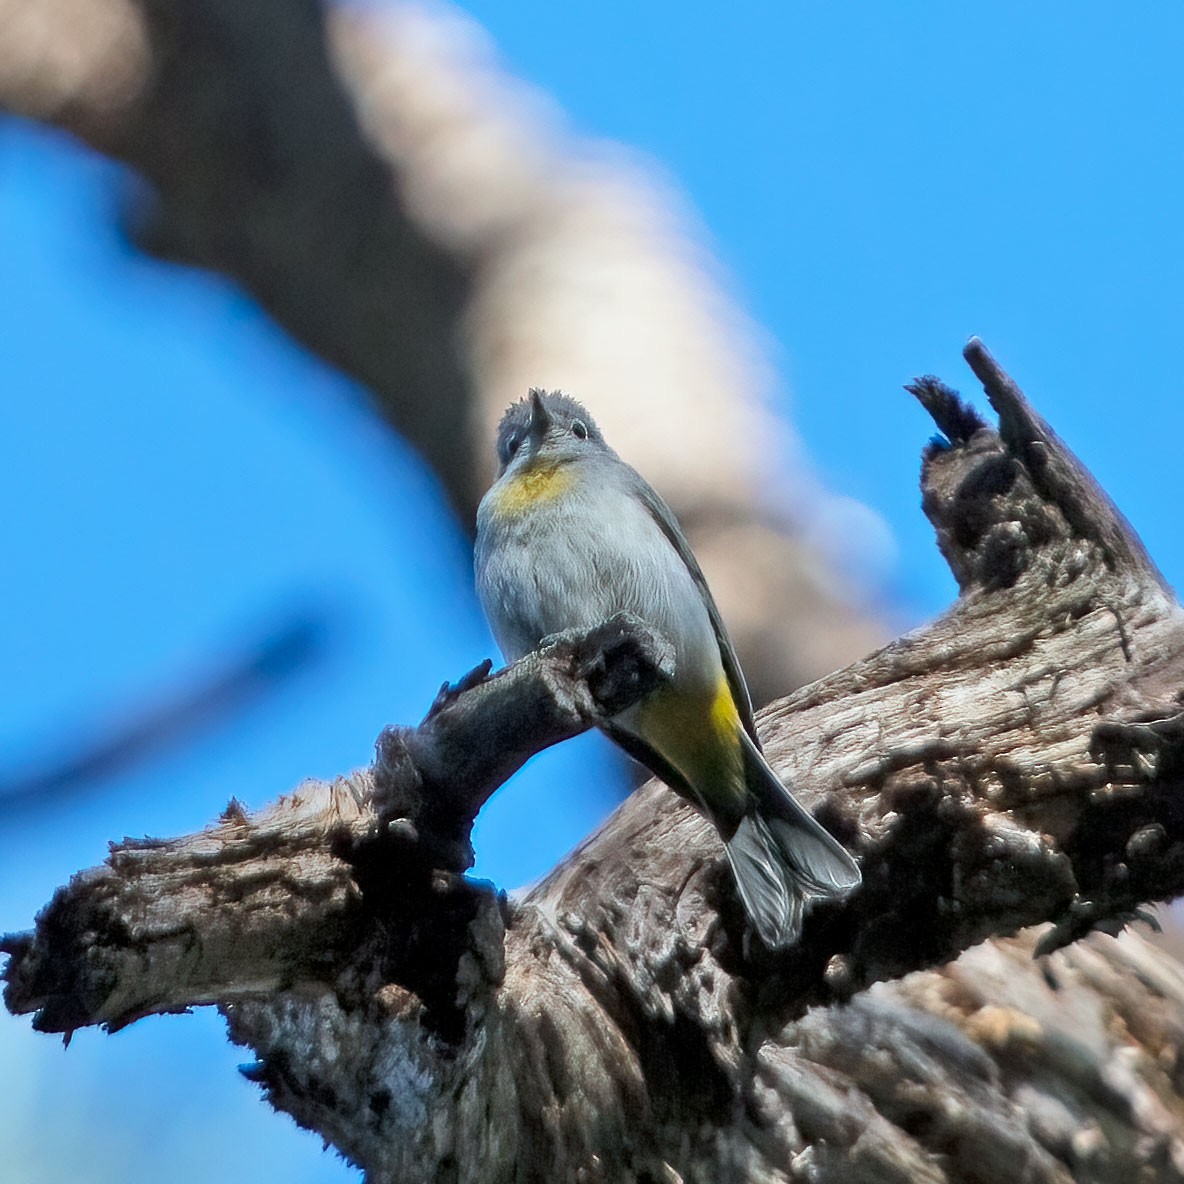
[576, 561]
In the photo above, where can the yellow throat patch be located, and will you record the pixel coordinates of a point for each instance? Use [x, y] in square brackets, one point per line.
[534, 484]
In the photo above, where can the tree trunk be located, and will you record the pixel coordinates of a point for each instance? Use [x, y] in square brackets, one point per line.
[1014, 764]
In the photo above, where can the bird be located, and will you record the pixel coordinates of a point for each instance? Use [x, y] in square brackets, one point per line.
[569, 535]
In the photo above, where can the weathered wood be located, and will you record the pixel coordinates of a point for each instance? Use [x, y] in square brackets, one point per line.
[261, 904]
[1014, 763]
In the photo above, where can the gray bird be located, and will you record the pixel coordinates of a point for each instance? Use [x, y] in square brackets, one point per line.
[569, 535]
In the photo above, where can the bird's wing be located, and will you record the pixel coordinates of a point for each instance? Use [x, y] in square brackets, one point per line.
[661, 514]
[646, 754]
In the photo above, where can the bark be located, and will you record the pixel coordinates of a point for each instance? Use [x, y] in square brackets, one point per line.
[409, 214]
[1014, 764]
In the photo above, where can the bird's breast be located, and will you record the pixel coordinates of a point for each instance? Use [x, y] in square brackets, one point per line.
[553, 563]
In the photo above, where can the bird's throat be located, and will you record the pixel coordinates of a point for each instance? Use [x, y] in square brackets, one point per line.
[531, 486]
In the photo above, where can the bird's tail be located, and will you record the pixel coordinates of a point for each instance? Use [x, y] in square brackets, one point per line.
[782, 857]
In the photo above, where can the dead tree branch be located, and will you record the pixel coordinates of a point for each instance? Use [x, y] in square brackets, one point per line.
[285, 904]
[1014, 763]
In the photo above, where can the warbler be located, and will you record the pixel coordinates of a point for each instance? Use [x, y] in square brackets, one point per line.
[569, 535]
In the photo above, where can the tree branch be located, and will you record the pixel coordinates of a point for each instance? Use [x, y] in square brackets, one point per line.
[1016, 762]
[257, 905]
[1057, 472]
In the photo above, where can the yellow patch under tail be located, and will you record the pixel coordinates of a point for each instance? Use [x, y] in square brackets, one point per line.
[531, 485]
[700, 737]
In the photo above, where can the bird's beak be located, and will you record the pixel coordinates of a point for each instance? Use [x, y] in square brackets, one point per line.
[540, 417]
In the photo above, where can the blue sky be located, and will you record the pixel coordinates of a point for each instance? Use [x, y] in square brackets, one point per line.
[879, 180]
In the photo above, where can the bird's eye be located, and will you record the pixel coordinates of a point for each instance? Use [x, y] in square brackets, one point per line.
[514, 443]
[580, 429]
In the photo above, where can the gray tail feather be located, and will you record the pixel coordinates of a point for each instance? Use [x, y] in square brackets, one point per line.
[783, 858]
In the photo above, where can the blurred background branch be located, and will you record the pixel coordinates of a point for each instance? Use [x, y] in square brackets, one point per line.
[88, 750]
[421, 221]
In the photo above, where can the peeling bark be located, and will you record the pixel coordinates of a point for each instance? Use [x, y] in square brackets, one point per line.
[1014, 764]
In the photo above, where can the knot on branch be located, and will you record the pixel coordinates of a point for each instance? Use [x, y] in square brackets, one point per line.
[617, 662]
